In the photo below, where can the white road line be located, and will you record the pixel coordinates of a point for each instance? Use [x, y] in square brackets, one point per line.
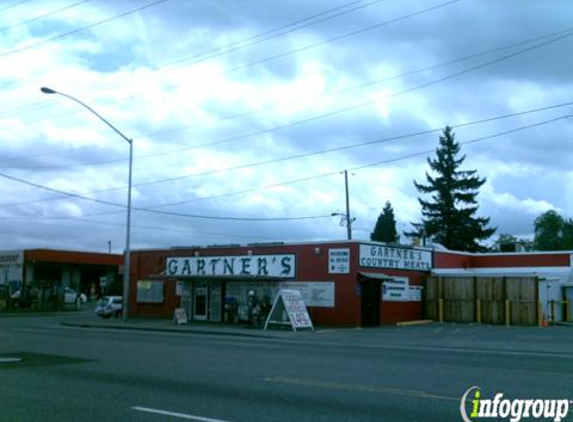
[176, 415]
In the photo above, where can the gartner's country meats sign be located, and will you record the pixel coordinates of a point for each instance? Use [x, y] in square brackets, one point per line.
[236, 265]
[375, 256]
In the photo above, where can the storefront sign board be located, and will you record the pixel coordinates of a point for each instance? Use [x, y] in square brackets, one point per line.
[377, 256]
[233, 265]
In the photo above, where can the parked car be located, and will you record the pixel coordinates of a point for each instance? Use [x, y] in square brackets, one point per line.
[108, 306]
[70, 296]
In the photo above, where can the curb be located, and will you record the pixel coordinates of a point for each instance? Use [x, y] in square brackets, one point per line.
[168, 330]
[418, 322]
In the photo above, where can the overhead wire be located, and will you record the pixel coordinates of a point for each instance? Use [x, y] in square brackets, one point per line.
[45, 15]
[290, 52]
[560, 35]
[83, 28]
[336, 112]
[251, 219]
[14, 5]
[324, 151]
[233, 46]
[563, 35]
[113, 204]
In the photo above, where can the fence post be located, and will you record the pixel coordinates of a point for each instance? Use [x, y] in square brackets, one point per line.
[539, 314]
[441, 310]
[507, 313]
[478, 311]
[553, 311]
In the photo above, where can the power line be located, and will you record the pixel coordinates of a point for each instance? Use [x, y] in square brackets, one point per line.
[297, 50]
[377, 163]
[176, 214]
[322, 151]
[83, 28]
[334, 112]
[483, 138]
[53, 12]
[234, 45]
[345, 109]
[163, 132]
[14, 5]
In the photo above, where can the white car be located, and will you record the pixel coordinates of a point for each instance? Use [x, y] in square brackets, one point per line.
[108, 306]
[70, 296]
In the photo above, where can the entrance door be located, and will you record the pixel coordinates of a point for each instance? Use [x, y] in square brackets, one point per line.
[371, 304]
[200, 302]
[215, 301]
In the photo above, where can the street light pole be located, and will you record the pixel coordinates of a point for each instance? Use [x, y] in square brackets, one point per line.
[348, 219]
[127, 260]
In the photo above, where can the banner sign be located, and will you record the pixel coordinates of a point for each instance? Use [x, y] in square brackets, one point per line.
[11, 267]
[316, 294]
[375, 256]
[339, 261]
[233, 265]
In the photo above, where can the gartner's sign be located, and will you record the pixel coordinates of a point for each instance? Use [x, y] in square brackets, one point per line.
[235, 265]
[375, 256]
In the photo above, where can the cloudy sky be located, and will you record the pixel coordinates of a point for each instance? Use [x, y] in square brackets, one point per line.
[244, 113]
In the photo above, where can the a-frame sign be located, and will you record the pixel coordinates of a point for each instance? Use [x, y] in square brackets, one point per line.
[289, 309]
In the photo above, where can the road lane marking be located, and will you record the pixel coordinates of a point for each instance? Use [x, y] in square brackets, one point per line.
[360, 388]
[176, 414]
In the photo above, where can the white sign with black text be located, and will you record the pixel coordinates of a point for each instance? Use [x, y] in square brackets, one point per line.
[339, 261]
[376, 256]
[316, 294]
[233, 265]
[399, 290]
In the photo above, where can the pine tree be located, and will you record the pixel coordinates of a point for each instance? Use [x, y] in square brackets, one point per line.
[385, 229]
[448, 218]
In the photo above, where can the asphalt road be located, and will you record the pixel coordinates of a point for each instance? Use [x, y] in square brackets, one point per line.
[382, 374]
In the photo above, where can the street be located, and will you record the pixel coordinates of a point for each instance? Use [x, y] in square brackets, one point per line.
[394, 374]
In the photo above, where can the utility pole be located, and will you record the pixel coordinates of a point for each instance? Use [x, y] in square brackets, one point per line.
[348, 219]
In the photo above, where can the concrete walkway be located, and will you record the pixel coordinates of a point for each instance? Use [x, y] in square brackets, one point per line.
[166, 325]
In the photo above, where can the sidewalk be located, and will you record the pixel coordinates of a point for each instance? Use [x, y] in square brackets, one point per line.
[166, 325]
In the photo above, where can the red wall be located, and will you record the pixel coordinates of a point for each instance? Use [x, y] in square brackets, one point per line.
[522, 260]
[452, 260]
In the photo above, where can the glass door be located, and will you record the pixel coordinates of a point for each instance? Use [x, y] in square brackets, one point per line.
[200, 302]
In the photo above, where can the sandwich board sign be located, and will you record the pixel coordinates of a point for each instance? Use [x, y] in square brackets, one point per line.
[179, 316]
[289, 309]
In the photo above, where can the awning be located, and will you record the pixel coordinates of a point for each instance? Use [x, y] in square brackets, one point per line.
[376, 276]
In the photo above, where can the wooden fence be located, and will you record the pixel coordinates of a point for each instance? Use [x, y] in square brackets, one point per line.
[491, 300]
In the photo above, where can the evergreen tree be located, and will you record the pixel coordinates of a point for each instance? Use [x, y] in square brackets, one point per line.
[385, 229]
[448, 217]
[553, 232]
